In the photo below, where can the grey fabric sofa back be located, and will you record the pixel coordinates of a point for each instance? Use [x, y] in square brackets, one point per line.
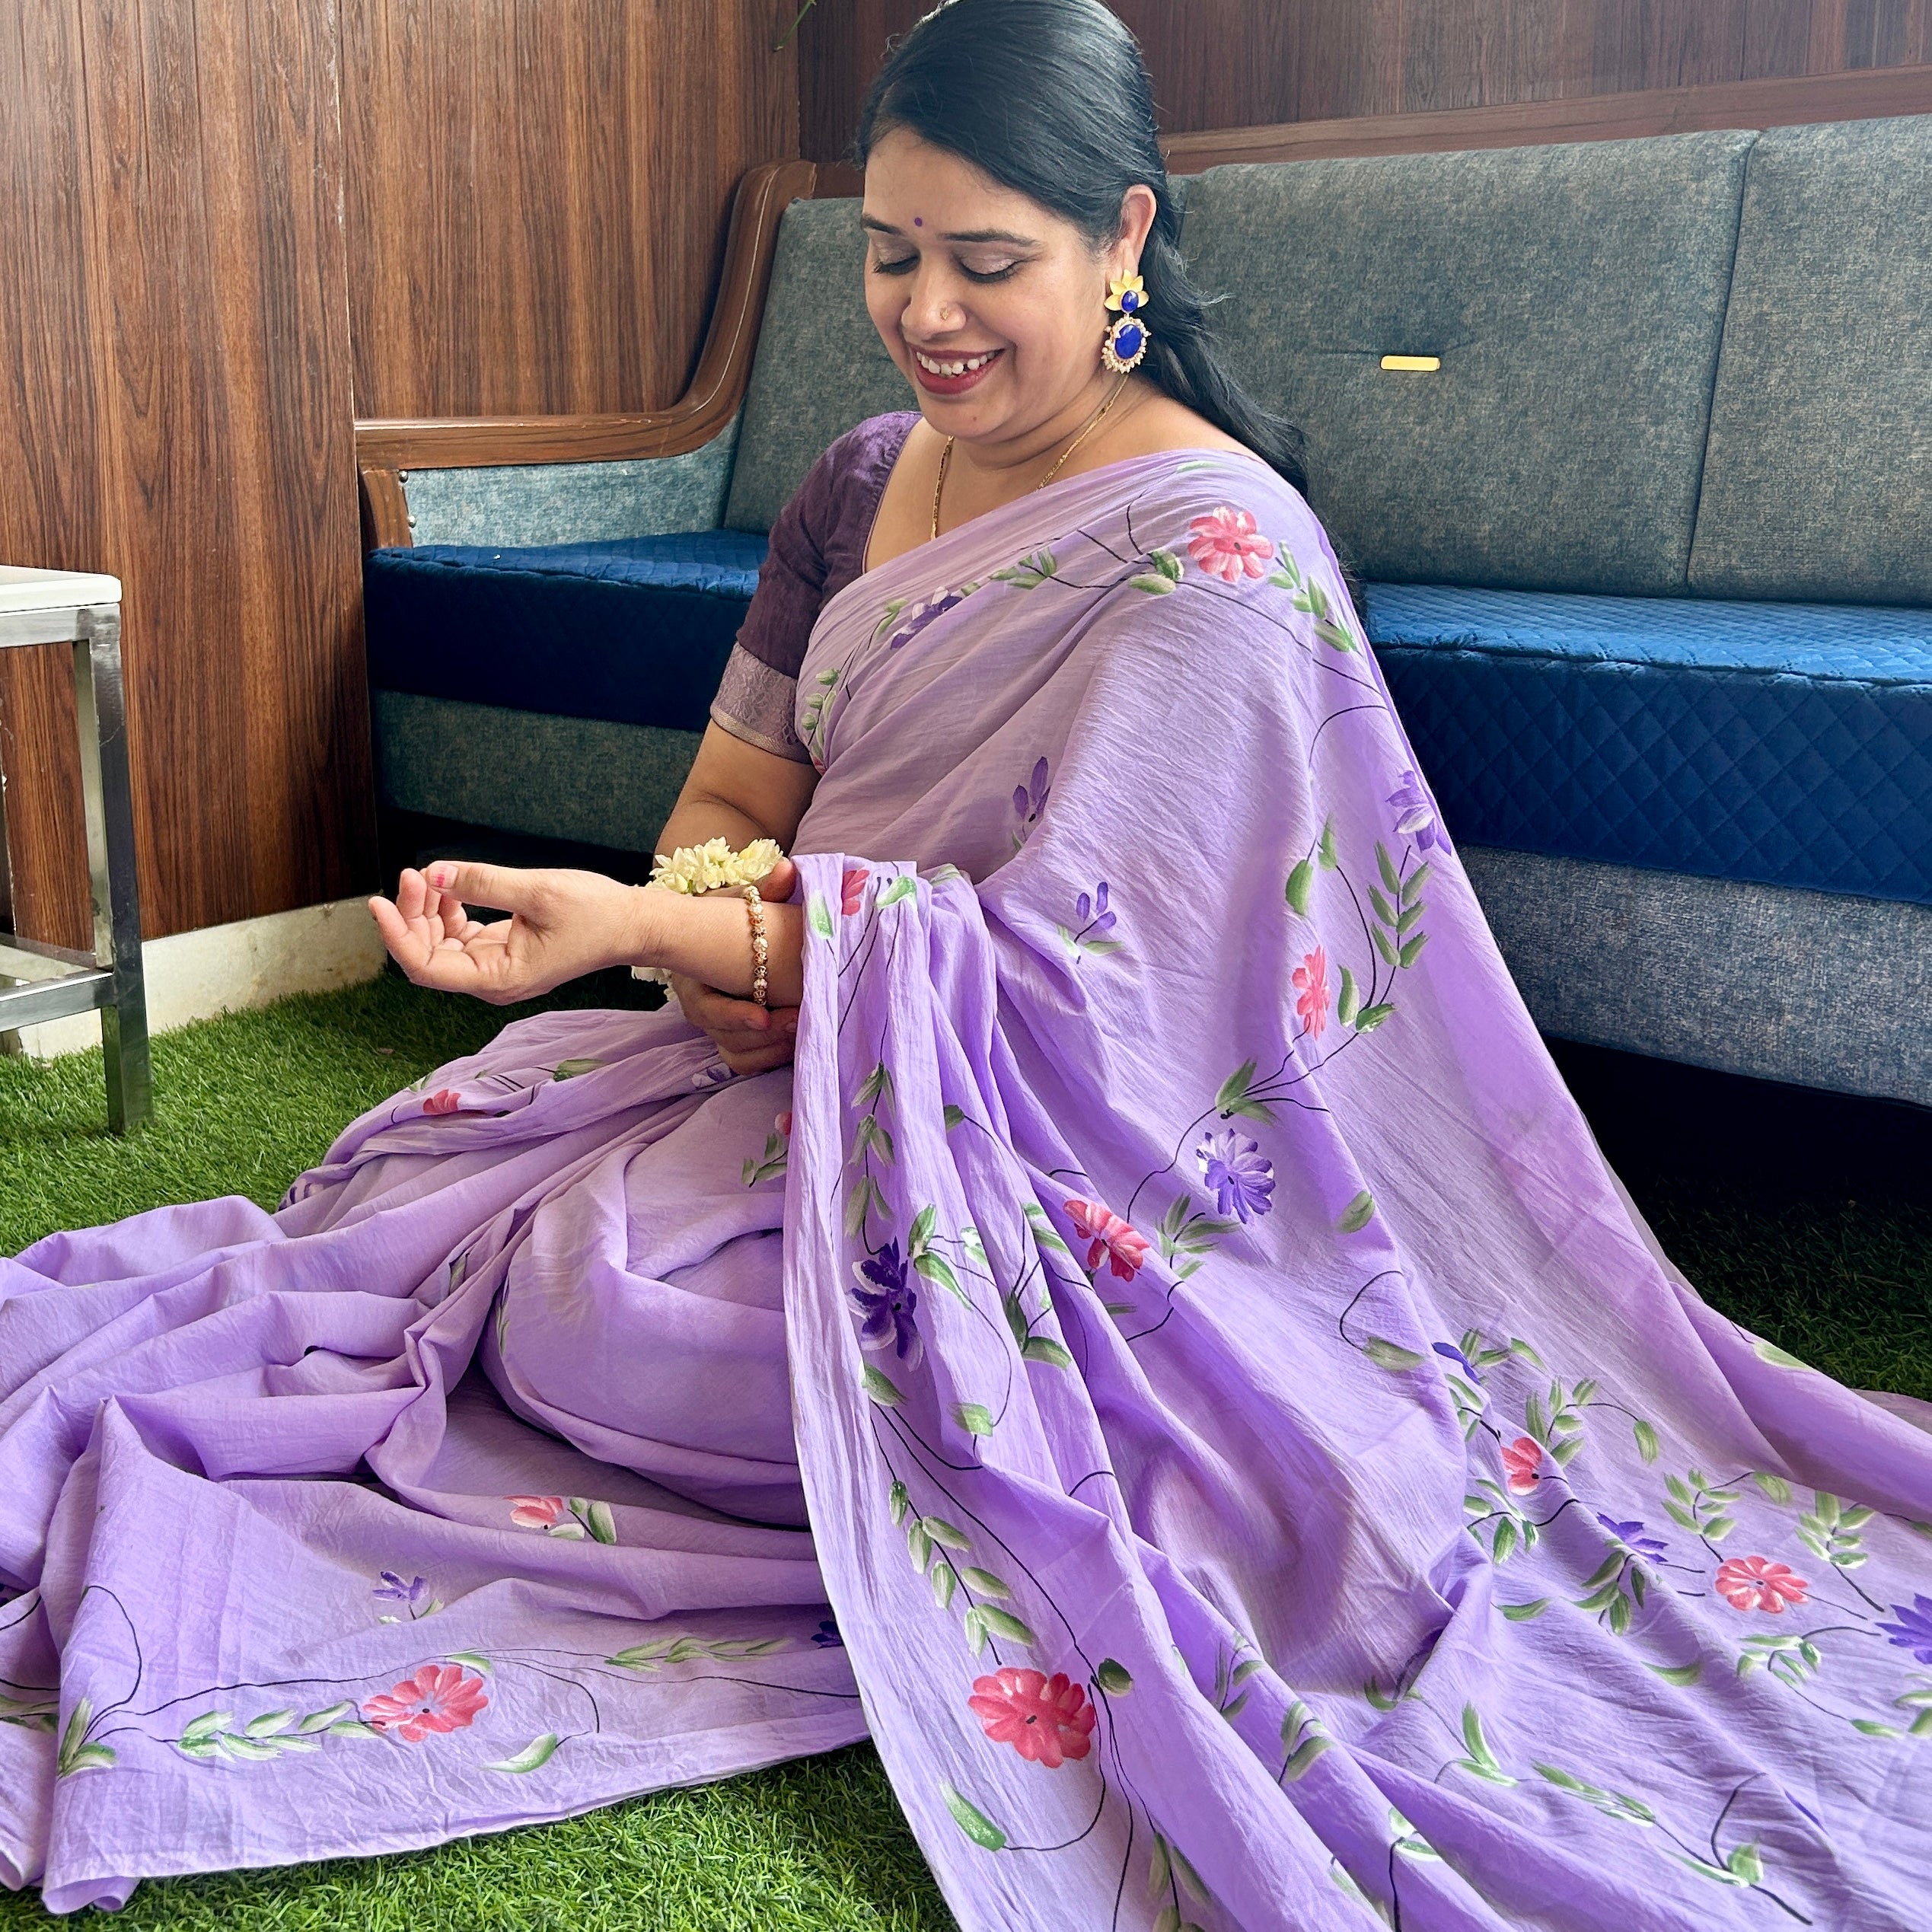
[1818, 482]
[820, 367]
[1575, 296]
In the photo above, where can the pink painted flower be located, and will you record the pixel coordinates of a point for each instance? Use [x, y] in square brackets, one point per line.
[1522, 1460]
[1046, 1719]
[447, 1101]
[439, 1698]
[783, 1123]
[535, 1511]
[1126, 1249]
[1311, 980]
[852, 894]
[1225, 544]
[1754, 1582]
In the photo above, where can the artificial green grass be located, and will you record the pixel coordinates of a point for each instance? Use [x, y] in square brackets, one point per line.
[1809, 1219]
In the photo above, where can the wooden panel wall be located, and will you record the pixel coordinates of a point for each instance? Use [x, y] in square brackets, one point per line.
[1237, 63]
[537, 190]
[519, 204]
[173, 345]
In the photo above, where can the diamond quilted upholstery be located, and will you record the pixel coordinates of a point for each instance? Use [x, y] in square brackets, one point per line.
[634, 632]
[1789, 744]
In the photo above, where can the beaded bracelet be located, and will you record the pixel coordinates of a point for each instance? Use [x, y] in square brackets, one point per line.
[754, 906]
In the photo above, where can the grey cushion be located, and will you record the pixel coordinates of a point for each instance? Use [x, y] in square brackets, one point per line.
[821, 366]
[1576, 296]
[1818, 483]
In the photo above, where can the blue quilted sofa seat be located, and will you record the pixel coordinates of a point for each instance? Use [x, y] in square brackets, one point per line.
[1648, 555]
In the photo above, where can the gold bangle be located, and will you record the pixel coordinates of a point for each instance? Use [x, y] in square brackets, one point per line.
[754, 907]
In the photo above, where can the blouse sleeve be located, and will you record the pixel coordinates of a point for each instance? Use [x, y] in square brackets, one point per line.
[757, 697]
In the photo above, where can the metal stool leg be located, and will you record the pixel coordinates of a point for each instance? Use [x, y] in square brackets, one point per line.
[102, 717]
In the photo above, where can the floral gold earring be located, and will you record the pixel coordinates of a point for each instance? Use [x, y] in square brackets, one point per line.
[1125, 341]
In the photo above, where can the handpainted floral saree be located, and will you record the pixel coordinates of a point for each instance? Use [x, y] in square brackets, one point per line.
[1259, 1472]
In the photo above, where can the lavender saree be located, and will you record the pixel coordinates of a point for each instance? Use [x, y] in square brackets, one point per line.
[1260, 1472]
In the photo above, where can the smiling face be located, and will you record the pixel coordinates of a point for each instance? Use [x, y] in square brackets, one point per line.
[993, 307]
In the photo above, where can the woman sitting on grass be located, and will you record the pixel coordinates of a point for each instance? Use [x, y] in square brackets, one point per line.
[1100, 1287]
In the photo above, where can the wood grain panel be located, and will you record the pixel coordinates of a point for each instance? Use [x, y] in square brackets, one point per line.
[537, 190]
[187, 297]
[1242, 63]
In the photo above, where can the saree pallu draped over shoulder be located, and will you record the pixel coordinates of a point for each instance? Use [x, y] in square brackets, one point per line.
[1260, 1472]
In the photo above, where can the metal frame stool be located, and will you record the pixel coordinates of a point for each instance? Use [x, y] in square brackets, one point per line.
[48, 982]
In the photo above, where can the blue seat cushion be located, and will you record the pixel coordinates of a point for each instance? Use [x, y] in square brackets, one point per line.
[1788, 744]
[635, 631]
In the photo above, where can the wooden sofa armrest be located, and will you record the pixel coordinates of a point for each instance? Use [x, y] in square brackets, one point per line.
[386, 449]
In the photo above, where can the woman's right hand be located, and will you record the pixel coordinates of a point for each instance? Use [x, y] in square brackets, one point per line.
[750, 1038]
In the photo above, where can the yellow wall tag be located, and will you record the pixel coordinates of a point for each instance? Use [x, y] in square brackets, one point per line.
[1423, 364]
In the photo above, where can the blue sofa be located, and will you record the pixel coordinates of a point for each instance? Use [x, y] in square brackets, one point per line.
[1648, 560]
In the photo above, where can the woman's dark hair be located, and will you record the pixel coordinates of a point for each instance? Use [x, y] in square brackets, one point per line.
[1051, 99]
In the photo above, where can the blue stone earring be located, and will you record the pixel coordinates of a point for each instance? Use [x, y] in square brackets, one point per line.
[1126, 341]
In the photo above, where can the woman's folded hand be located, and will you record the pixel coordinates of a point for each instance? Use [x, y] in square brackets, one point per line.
[750, 1038]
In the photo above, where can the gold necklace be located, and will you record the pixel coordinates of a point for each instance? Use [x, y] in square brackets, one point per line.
[1080, 436]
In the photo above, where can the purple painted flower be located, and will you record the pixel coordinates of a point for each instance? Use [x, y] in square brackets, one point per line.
[827, 1635]
[1415, 817]
[1029, 800]
[1631, 1535]
[1239, 1177]
[1090, 912]
[912, 622]
[1450, 1352]
[888, 1300]
[1913, 1631]
[409, 1594]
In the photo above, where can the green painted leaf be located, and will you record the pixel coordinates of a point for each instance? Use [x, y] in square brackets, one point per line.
[100, 1757]
[248, 1750]
[1778, 1358]
[1167, 563]
[209, 1722]
[919, 1545]
[936, 1267]
[1043, 1232]
[921, 1235]
[1301, 884]
[1169, 1919]
[952, 1115]
[1775, 1487]
[903, 887]
[975, 1628]
[898, 1500]
[1646, 1440]
[1407, 917]
[1357, 1215]
[534, 1756]
[1234, 1089]
[1745, 1864]
[353, 1727]
[204, 1748]
[1523, 1613]
[1160, 1871]
[972, 1821]
[1043, 1348]
[1387, 1354]
[1301, 1760]
[879, 1387]
[1382, 1700]
[268, 1724]
[1383, 911]
[1114, 1678]
[1386, 866]
[1872, 1728]
[1153, 583]
[596, 1517]
[1324, 851]
[1003, 1623]
[1502, 1544]
[1412, 952]
[569, 1069]
[1704, 1869]
[1413, 884]
[975, 1418]
[818, 915]
[1009, 1303]
[942, 1581]
[984, 1582]
[1372, 1017]
[948, 1535]
[1348, 1002]
[1681, 1674]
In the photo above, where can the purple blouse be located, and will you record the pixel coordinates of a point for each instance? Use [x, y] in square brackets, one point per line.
[818, 547]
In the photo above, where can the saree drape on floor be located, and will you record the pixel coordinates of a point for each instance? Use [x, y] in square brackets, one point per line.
[1260, 1472]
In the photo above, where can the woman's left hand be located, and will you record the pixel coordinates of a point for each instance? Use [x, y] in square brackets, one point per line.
[562, 924]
